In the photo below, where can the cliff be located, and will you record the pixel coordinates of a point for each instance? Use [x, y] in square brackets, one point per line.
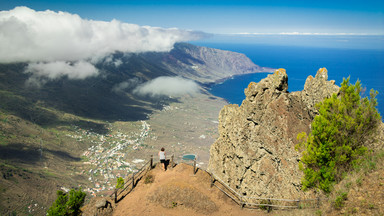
[203, 64]
[255, 152]
[212, 64]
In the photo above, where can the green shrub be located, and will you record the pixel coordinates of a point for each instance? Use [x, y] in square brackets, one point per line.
[174, 204]
[67, 204]
[371, 206]
[265, 205]
[340, 199]
[345, 122]
[120, 183]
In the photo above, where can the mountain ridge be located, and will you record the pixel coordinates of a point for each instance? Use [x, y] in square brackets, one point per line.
[93, 97]
[41, 128]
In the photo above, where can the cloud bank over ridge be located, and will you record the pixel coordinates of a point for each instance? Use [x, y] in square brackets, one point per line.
[57, 38]
[167, 86]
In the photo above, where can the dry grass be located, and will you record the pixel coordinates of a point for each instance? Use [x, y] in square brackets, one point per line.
[361, 191]
[177, 194]
[149, 178]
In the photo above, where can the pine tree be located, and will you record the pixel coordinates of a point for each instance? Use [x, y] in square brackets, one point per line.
[338, 136]
[67, 204]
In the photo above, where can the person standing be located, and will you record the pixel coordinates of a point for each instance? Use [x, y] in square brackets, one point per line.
[162, 158]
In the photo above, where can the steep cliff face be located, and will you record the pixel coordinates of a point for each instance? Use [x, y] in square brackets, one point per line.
[255, 152]
[204, 64]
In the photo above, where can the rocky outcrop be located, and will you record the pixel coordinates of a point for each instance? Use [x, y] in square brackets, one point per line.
[255, 151]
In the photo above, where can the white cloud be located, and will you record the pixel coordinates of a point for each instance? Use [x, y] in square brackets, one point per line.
[126, 85]
[28, 35]
[167, 86]
[58, 69]
[110, 60]
[57, 38]
[43, 72]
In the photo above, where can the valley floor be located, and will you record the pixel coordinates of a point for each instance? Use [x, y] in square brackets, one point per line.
[92, 154]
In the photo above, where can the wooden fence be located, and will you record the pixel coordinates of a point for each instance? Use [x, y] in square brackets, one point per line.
[261, 202]
[243, 201]
[131, 182]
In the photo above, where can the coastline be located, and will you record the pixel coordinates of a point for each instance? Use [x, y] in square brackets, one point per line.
[209, 85]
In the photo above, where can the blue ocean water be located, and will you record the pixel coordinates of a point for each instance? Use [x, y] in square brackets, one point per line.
[300, 62]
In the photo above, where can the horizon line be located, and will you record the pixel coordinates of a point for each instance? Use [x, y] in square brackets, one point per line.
[307, 34]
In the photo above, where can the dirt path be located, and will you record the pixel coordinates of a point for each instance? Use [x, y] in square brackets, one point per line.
[178, 192]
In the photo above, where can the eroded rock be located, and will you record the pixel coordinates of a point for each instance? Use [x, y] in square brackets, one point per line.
[255, 151]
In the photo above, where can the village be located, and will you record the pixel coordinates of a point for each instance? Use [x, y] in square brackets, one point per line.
[106, 159]
[127, 146]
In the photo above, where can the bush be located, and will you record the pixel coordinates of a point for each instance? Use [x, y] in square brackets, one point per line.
[265, 205]
[67, 204]
[120, 183]
[340, 199]
[339, 133]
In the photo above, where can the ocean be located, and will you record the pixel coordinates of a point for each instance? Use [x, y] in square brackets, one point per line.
[300, 62]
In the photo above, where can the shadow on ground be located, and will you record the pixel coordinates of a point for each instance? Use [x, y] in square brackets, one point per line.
[89, 98]
[22, 153]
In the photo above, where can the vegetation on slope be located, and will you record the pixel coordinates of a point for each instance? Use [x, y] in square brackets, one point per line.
[339, 137]
[67, 203]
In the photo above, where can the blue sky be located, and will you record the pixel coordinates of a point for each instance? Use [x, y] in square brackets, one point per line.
[229, 17]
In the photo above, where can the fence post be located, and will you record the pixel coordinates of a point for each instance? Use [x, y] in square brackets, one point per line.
[151, 163]
[194, 166]
[269, 207]
[172, 161]
[318, 202]
[298, 203]
[116, 195]
[133, 180]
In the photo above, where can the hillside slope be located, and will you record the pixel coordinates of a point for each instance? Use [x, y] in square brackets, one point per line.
[178, 192]
[97, 97]
[45, 131]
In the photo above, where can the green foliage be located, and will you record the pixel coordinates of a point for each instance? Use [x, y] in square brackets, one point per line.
[359, 181]
[174, 204]
[340, 199]
[371, 206]
[345, 122]
[368, 162]
[120, 183]
[67, 204]
[265, 205]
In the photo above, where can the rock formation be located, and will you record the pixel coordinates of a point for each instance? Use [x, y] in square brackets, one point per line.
[255, 152]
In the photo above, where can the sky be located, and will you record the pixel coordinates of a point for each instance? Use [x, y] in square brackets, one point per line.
[229, 17]
[69, 38]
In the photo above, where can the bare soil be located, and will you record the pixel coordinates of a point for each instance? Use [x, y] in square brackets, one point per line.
[178, 191]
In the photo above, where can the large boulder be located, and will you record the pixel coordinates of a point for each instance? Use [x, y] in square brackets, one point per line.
[255, 152]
